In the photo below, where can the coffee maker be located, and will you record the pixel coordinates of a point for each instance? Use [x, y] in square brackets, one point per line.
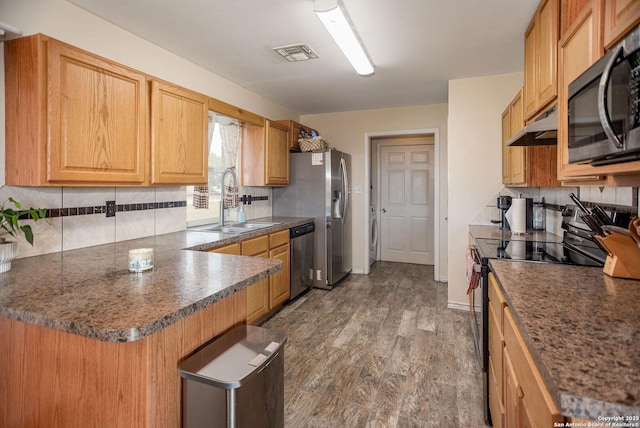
[504, 203]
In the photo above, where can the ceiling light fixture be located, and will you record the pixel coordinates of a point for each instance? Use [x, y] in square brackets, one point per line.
[334, 20]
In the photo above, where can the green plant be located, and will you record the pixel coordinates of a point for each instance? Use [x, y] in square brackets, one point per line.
[9, 220]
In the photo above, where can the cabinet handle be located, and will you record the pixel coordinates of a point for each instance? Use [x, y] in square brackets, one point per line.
[519, 392]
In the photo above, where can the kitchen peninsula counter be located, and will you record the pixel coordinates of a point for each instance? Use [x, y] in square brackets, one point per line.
[85, 342]
[90, 291]
[583, 330]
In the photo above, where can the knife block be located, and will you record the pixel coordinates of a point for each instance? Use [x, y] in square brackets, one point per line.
[623, 260]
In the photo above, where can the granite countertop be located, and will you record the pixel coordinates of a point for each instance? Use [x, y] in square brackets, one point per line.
[90, 291]
[494, 232]
[583, 329]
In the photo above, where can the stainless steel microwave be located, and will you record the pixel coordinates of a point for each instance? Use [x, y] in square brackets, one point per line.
[604, 107]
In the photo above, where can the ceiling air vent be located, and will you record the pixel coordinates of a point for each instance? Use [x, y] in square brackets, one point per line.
[293, 53]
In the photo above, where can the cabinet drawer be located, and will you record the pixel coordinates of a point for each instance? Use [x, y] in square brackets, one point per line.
[254, 246]
[496, 301]
[537, 400]
[278, 238]
[227, 249]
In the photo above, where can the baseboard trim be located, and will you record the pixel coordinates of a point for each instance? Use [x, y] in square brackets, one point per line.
[357, 271]
[458, 306]
[443, 279]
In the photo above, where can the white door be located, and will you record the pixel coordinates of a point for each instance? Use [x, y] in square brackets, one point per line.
[406, 203]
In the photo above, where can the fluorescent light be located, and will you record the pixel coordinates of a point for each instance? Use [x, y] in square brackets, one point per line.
[337, 25]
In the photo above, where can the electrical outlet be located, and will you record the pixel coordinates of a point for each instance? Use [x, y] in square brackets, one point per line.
[111, 208]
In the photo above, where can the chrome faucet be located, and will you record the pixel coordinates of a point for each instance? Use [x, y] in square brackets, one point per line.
[235, 184]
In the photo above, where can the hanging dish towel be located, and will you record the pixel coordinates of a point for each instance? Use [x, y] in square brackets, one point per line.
[473, 277]
[201, 197]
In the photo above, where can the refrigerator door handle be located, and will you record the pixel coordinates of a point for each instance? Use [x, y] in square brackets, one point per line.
[345, 187]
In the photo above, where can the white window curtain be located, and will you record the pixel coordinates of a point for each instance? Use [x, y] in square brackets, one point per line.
[201, 193]
[230, 136]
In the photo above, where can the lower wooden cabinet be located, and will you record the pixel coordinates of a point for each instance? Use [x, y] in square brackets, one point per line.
[280, 282]
[518, 396]
[268, 294]
[258, 293]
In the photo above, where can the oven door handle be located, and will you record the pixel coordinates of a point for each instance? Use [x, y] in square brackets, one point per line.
[603, 88]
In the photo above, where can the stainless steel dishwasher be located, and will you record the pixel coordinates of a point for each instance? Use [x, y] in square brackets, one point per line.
[302, 245]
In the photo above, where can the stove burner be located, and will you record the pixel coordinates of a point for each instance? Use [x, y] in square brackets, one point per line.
[537, 251]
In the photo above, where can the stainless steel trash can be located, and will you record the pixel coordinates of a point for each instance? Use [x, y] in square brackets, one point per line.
[236, 381]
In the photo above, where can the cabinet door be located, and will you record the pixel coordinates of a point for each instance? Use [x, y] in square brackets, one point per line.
[513, 395]
[530, 69]
[277, 155]
[258, 293]
[279, 282]
[179, 129]
[518, 154]
[96, 118]
[540, 58]
[547, 40]
[580, 48]
[620, 16]
[506, 150]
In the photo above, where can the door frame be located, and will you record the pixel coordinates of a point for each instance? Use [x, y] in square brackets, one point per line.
[368, 136]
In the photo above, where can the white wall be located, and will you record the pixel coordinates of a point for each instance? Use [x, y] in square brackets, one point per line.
[475, 162]
[347, 131]
[69, 23]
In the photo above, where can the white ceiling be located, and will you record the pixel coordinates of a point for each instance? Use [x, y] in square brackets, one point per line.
[416, 46]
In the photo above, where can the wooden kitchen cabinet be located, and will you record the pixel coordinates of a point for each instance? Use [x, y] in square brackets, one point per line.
[580, 47]
[540, 59]
[267, 295]
[265, 155]
[496, 354]
[179, 132]
[233, 249]
[518, 396]
[620, 16]
[525, 166]
[53, 378]
[295, 130]
[72, 117]
[280, 282]
[77, 119]
[258, 293]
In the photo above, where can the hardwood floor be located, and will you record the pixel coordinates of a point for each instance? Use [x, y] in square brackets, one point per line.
[380, 350]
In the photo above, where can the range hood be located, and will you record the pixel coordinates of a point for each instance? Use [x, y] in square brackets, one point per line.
[541, 132]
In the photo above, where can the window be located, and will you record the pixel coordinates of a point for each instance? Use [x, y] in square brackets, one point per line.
[224, 142]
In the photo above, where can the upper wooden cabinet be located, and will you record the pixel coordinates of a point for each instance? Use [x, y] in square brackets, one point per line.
[513, 158]
[265, 155]
[581, 45]
[620, 16]
[579, 48]
[296, 130]
[74, 118]
[179, 123]
[540, 59]
[525, 166]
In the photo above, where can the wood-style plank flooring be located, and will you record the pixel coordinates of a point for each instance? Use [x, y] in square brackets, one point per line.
[380, 350]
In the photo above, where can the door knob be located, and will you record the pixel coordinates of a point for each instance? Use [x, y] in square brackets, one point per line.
[384, 210]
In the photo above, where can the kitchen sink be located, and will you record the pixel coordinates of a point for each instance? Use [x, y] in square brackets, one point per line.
[236, 228]
[254, 224]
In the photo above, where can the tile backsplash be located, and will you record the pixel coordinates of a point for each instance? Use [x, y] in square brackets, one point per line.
[140, 212]
[624, 198]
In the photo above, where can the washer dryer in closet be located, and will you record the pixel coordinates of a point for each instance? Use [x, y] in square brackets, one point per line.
[373, 235]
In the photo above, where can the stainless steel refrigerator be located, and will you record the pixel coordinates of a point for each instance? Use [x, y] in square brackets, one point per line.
[319, 188]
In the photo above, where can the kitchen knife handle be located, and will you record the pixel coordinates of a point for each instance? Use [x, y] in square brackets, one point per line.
[575, 199]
